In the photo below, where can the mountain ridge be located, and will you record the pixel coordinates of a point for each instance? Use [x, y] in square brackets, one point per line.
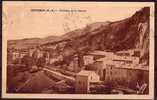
[129, 33]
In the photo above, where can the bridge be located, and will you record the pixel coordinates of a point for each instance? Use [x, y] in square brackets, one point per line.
[59, 75]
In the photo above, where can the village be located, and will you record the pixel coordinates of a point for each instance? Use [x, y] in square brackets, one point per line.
[95, 72]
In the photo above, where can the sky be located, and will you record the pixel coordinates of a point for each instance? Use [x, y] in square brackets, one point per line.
[42, 19]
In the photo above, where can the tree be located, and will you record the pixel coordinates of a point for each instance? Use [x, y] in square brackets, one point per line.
[28, 61]
[35, 56]
[41, 62]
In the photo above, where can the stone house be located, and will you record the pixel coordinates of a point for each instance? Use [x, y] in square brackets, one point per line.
[83, 80]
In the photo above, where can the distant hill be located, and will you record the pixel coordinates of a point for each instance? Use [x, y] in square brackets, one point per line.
[30, 42]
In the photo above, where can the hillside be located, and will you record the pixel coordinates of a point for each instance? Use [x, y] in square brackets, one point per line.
[30, 42]
[130, 33]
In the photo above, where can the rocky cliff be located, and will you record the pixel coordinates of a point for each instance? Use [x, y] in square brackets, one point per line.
[130, 33]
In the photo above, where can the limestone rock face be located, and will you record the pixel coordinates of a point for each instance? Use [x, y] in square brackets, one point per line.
[130, 33]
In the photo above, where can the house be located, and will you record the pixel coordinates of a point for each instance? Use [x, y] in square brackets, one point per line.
[127, 59]
[95, 61]
[54, 59]
[98, 61]
[91, 57]
[37, 53]
[47, 57]
[88, 59]
[131, 52]
[15, 55]
[83, 80]
[23, 53]
[97, 67]
[31, 50]
[73, 65]
[126, 74]
[114, 61]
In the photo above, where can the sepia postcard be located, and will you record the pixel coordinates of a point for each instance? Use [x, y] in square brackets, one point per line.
[78, 50]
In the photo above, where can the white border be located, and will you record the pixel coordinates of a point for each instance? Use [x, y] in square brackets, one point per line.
[86, 96]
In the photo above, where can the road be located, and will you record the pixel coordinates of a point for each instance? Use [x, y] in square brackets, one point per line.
[36, 83]
[39, 81]
[58, 74]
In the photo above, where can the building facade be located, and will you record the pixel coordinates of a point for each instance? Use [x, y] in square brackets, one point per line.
[83, 80]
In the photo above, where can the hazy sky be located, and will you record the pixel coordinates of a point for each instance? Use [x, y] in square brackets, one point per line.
[22, 20]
